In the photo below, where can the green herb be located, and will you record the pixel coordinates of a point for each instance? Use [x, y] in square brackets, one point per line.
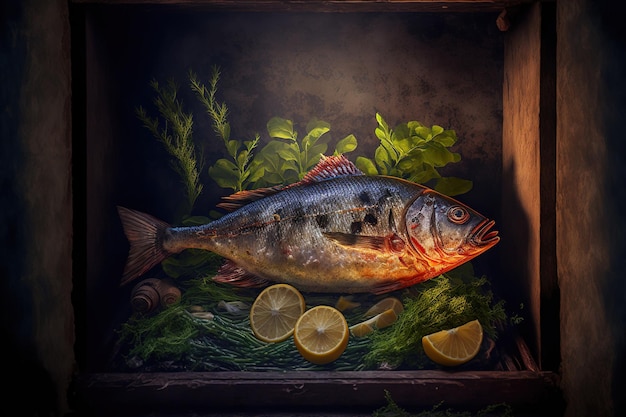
[175, 132]
[227, 342]
[237, 172]
[394, 410]
[164, 336]
[223, 343]
[414, 152]
[286, 159]
[447, 301]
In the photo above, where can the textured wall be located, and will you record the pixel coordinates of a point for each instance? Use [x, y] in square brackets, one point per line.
[591, 231]
[341, 68]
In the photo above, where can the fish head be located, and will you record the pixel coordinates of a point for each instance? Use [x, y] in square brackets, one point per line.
[446, 233]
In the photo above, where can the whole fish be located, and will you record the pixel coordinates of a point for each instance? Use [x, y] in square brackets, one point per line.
[337, 230]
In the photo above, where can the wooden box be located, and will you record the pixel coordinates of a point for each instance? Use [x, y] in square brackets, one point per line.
[496, 85]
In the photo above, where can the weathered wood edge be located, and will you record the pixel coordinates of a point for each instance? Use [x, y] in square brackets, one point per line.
[305, 389]
[329, 5]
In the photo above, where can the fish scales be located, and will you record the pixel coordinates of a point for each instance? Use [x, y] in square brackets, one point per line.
[282, 235]
[347, 233]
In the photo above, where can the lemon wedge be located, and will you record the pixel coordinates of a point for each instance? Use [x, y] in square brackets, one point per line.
[454, 346]
[379, 321]
[384, 305]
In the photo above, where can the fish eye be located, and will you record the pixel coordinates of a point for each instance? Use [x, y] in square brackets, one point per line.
[458, 214]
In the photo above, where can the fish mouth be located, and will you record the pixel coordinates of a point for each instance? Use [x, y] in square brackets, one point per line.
[482, 236]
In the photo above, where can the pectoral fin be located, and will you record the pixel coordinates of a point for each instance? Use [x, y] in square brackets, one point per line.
[233, 274]
[391, 243]
[357, 241]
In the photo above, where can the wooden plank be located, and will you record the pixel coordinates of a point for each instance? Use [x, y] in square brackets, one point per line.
[268, 390]
[331, 5]
[521, 245]
[529, 162]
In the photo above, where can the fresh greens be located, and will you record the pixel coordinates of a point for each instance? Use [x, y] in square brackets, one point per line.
[411, 150]
[238, 172]
[414, 152]
[175, 336]
[392, 409]
[285, 159]
[174, 130]
[447, 301]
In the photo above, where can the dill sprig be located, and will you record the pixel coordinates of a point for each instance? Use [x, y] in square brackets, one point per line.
[223, 343]
[164, 336]
[175, 132]
[238, 172]
[228, 343]
[447, 301]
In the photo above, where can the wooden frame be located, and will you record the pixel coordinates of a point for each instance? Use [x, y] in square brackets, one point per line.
[527, 108]
[332, 5]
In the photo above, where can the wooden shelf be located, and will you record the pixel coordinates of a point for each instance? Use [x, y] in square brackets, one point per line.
[126, 392]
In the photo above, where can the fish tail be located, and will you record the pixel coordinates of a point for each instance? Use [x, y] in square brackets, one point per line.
[145, 235]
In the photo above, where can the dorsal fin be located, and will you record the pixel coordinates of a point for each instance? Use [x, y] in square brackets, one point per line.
[328, 167]
[241, 198]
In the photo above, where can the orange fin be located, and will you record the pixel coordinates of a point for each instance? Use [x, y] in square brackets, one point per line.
[233, 274]
[388, 287]
[145, 234]
[398, 284]
[241, 198]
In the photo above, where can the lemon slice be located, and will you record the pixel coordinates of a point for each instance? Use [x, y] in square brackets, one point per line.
[454, 346]
[274, 313]
[379, 321]
[321, 334]
[384, 305]
[385, 319]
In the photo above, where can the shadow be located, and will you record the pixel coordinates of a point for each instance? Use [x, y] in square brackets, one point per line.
[514, 284]
[613, 99]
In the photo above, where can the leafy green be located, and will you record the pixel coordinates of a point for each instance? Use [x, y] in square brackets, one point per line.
[286, 159]
[174, 130]
[175, 337]
[237, 172]
[447, 301]
[414, 152]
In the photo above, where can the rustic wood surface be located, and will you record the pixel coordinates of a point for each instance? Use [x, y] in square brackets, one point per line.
[308, 391]
[334, 5]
